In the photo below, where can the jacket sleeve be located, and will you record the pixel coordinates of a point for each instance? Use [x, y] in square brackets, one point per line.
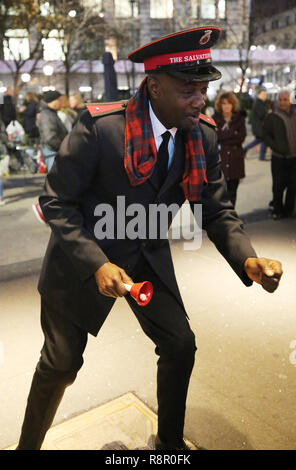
[220, 221]
[66, 183]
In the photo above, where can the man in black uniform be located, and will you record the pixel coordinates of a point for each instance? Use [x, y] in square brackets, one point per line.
[156, 150]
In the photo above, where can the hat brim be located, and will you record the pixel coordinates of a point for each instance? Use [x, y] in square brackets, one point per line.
[206, 73]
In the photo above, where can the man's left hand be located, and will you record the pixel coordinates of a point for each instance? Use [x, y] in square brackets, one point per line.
[264, 271]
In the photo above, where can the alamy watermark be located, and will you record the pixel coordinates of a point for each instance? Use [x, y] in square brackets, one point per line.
[152, 222]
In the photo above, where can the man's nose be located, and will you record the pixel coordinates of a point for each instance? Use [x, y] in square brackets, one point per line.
[198, 101]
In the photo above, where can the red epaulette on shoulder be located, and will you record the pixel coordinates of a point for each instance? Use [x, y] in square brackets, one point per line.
[101, 109]
[208, 120]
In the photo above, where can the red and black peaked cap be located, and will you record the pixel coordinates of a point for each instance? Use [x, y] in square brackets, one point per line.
[185, 54]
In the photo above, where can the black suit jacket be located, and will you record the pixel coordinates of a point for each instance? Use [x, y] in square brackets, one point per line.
[89, 170]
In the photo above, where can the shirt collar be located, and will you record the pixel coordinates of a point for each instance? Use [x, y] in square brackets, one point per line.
[157, 127]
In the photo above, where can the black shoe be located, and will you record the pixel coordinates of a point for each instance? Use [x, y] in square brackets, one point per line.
[270, 206]
[277, 215]
[179, 445]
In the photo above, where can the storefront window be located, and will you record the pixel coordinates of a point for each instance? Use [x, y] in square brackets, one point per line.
[208, 9]
[17, 45]
[212, 9]
[221, 9]
[123, 8]
[161, 8]
[52, 47]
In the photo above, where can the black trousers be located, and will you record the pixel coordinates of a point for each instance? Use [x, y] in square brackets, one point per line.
[163, 320]
[283, 178]
[232, 186]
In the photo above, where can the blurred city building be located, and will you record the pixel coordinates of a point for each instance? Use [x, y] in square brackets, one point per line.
[257, 43]
[272, 29]
[274, 23]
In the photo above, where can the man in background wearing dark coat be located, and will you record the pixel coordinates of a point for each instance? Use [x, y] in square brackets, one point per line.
[279, 134]
[7, 108]
[52, 130]
[258, 113]
[157, 150]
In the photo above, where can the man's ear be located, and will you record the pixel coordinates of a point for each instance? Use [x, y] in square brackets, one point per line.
[154, 86]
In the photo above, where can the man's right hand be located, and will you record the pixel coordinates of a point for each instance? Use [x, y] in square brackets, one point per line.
[110, 279]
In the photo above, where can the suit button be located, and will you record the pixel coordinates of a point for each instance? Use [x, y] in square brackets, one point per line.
[144, 244]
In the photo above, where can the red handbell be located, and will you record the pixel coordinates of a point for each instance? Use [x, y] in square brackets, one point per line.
[141, 291]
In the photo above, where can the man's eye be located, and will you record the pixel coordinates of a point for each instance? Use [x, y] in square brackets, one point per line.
[188, 92]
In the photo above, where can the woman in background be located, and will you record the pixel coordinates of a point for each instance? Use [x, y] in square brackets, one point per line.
[231, 129]
[77, 104]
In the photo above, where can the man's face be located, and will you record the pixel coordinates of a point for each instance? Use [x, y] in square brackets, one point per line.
[284, 101]
[262, 95]
[177, 103]
[56, 104]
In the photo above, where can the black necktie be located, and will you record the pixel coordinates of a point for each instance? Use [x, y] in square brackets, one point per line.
[163, 158]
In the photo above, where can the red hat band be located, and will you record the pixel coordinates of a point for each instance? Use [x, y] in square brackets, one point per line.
[197, 56]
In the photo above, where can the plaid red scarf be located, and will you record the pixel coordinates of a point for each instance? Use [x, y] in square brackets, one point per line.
[141, 154]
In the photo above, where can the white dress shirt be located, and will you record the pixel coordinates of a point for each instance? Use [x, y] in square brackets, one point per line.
[158, 129]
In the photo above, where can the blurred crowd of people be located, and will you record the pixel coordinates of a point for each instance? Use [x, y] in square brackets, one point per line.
[47, 120]
[273, 126]
[32, 133]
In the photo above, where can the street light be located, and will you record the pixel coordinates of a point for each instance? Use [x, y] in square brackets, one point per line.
[48, 71]
[26, 77]
[271, 47]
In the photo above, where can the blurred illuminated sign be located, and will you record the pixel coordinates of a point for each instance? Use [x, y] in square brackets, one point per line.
[256, 80]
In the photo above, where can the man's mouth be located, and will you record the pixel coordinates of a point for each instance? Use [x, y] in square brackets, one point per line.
[194, 119]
